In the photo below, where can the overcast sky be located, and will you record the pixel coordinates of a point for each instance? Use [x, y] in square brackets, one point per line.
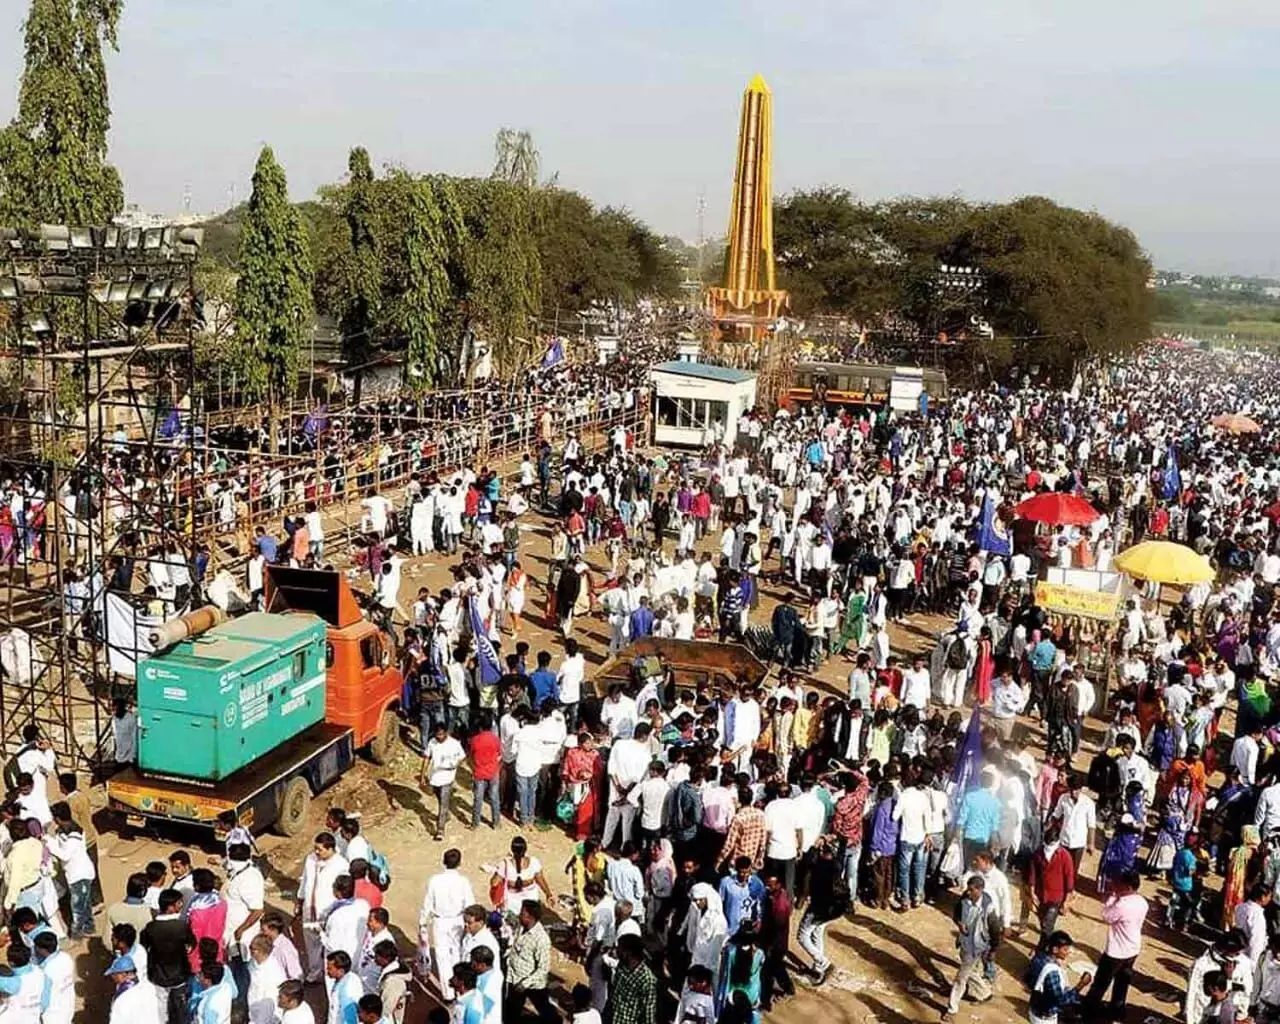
[1159, 115]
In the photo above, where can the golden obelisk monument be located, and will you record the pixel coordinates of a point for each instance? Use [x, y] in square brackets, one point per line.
[747, 307]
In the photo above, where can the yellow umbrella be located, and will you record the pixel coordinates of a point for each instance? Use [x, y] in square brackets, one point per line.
[1164, 562]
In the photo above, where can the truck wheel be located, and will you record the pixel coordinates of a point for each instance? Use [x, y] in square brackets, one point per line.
[381, 746]
[292, 819]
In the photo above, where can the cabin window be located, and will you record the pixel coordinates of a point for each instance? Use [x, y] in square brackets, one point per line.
[371, 651]
[299, 666]
[328, 655]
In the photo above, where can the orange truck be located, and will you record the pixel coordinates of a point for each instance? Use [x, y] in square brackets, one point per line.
[244, 667]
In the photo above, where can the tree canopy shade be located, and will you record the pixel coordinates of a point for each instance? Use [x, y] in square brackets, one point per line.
[591, 255]
[273, 293]
[53, 155]
[1070, 277]
[360, 299]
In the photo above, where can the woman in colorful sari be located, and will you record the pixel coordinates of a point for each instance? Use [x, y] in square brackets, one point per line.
[984, 668]
[1227, 640]
[853, 627]
[1243, 866]
[1175, 821]
[578, 769]
[742, 971]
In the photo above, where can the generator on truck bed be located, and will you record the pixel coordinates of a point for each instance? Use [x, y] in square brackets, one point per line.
[258, 713]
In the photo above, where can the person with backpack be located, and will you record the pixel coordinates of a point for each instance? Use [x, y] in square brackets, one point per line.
[684, 814]
[955, 673]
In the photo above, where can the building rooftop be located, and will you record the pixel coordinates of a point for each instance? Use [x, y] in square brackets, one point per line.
[724, 374]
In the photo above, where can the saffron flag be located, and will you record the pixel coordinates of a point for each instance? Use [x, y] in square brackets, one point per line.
[486, 656]
[992, 536]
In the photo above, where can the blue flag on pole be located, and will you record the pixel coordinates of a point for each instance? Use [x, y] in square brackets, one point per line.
[554, 353]
[968, 761]
[1172, 482]
[486, 656]
[172, 425]
[992, 536]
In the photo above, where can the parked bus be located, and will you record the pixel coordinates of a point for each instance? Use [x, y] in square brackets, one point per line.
[836, 384]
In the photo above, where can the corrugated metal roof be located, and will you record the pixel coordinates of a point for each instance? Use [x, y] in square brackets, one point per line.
[724, 374]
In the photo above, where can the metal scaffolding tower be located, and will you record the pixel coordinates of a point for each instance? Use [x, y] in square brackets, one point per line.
[97, 422]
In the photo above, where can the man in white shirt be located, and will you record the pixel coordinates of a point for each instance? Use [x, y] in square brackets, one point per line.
[60, 978]
[628, 765]
[784, 837]
[1077, 815]
[573, 670]
[320, 870]
[439, 769]
[618, 713]
[916, 684]
[245, 893]
[912, 812]
[347, 920]
[440, 922]
[651, 801]
[1244, 754]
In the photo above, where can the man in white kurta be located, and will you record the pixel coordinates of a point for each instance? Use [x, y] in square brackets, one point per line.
[346, 922]
[440, 922]
[315, 895]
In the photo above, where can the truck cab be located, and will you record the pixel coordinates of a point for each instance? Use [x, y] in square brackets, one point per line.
[362, 682]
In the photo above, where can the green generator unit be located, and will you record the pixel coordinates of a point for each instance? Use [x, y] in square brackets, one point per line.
[213, 703]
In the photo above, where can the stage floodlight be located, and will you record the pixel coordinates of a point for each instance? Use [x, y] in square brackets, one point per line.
[137, 290]
[156, 290]
[68, 282]
[56, 237]
[151, 239]
[169, 237]
[136, 314]
[190, 240]
[8, 289]
[38, 324]
[81, 238]
[11, 237]
[100, 291]
[119, 291]
[133, 238]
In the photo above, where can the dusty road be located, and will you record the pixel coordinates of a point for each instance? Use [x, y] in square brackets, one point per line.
[890, 967]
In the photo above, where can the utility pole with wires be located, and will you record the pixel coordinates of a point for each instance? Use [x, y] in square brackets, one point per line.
[702, 232]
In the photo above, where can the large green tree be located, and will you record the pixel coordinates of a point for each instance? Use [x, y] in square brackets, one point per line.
[1065, 283]
[361, 278]
[273, 293]
[424, 293]
[53, 155]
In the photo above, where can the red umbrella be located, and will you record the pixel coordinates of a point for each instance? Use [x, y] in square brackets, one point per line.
[1059, 509]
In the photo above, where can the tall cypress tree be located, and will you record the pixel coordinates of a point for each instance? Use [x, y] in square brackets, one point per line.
[273, 294]
[53, 155]
[362, 269]
[427, 291]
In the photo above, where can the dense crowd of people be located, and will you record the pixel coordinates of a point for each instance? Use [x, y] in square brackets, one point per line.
[719, 818]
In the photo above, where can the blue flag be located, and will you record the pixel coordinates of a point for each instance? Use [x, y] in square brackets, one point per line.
[554, 353]
[968, 761]
[486, 656]
[992, 536]
[1171, 486]
[172, 424]
[316, 423]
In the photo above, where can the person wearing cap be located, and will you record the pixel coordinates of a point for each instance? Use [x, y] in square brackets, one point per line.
[135, 1000]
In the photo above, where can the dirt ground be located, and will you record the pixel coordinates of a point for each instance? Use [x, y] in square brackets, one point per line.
[889, 967]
